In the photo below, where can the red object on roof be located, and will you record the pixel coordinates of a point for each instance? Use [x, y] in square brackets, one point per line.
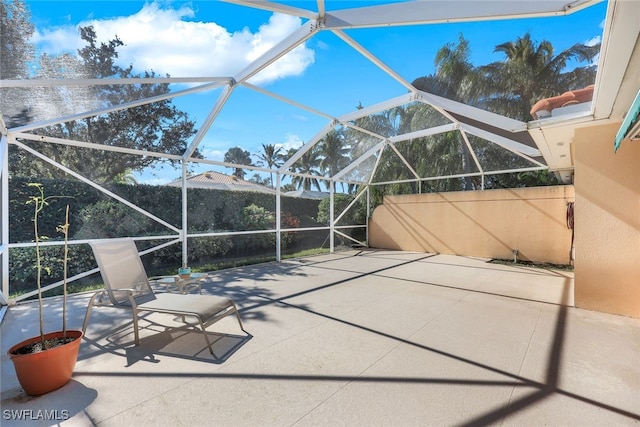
[544, 107]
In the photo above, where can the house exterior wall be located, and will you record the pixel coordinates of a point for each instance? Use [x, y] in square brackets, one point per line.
[489, 223]
[607, 222]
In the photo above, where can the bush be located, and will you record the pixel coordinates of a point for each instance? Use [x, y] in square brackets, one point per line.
[95, 215]
[108, 218]
[355, 216]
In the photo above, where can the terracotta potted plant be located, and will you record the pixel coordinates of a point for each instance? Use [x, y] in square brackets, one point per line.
[46, 362]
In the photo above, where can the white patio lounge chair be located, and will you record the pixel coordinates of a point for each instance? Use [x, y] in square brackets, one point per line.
[127, 286]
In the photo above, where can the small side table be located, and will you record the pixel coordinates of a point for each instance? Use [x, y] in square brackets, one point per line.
[181, 285]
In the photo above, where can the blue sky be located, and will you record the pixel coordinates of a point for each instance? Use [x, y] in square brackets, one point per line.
[210, 38]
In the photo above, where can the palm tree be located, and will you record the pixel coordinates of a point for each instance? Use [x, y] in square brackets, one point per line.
[531, 72]
[308, 164]
[457, 79]
[334, 152]
[271, 156]
[238, 156]
[127, 177]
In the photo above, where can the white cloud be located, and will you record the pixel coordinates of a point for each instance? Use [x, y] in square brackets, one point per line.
[322, 45]
[593, 41]
[58, 40]
[163, 40]
[290, 141]
[212, 154]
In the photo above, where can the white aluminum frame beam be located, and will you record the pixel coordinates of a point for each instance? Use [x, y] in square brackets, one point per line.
[93, 146]
[230, 165]
[96, 186]
[375, 166]
[462, 175]
[349, 237]
[438, 12]
[306, 147]
[354, 164]
[4, 152]
[278, 217]
[295, 39]
[110, 81]
[403, 160]
[424, 133]
[380, 64]
[377, 108]
[363, 130]
[4, 185]
[484, 116]
[272, 6]
[616, 52]
[335, 121]
[305, 175]
[321, 8]
[288, 101]
[472, 153]
[509, 144]
[204, 128]
[118, 107]
[353, 202]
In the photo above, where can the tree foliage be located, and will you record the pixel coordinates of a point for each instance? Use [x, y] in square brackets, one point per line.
[238, 156]
[271, 156]
[156, 127]
[15, 31]
[532, 71]
[334, 153]
[16, 53]
[308, 165]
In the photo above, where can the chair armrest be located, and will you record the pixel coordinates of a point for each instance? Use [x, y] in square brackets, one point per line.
[129, 290]
[156, 278]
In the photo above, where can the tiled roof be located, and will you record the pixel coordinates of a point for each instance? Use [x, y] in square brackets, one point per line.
[220, 181]
[544, 107]
[218, 178]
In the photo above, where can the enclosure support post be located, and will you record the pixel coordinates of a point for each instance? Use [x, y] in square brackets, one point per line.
[368, 214]
[183, 233]
[278, 218]
[331, 216]
[4, 182]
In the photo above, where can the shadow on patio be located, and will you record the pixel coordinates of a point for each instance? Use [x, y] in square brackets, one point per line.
[356, 338]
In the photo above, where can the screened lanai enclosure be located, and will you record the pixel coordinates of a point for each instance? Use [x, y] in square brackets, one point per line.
[117, 145]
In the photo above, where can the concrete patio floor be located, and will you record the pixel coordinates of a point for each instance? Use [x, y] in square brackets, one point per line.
[357, 338]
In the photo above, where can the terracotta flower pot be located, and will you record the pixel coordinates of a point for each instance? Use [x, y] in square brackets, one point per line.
[42, 372]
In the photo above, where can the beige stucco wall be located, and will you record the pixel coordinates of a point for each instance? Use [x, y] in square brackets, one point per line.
[607, 184]
[487, 223]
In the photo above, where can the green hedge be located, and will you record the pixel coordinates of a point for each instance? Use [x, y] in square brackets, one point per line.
[207, 210]
[95, 215]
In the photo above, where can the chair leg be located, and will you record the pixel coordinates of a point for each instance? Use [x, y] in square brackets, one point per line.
[240, 322]
[135, 326]
[206, 338]
[134, 310]
[235, 308]
[87, 314]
